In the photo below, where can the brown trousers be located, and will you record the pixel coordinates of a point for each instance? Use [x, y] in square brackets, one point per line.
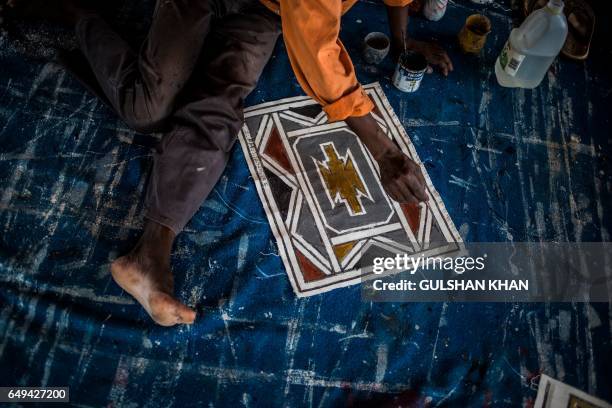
[200, 60]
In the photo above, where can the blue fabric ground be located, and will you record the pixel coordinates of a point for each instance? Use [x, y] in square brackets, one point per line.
[510, 165]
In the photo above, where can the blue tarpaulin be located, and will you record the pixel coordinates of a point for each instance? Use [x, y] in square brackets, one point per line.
[510, 165]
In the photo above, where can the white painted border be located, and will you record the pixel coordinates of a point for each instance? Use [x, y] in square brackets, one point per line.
[277, 224]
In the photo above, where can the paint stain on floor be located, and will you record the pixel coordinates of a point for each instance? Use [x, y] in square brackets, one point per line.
[510, 165]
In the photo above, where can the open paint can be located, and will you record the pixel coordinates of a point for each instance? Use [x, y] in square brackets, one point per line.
[409, 71]
[375, 47]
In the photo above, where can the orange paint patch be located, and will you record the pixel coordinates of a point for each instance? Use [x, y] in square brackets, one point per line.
[276, 150]
[309, 271]
[413, 215]
[341, 250]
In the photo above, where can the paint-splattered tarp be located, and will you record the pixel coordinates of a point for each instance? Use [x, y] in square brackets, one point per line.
[509, 165]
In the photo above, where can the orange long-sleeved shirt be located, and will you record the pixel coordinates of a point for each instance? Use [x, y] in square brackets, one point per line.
[320, 62]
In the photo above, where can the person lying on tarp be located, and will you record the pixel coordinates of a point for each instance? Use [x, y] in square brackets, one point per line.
[325, 71]
[225, 44]
[154, 90]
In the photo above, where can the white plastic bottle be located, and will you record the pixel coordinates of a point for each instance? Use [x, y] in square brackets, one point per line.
[532, 47]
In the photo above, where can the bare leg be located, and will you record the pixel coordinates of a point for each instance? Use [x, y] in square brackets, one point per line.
[398, 24]
[192, 157]
[145, 274]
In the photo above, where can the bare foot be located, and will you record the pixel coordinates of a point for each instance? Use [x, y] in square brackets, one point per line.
[146, 275]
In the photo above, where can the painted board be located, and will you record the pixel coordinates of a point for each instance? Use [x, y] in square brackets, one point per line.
[322, 195]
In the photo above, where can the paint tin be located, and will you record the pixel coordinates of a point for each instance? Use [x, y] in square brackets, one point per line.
[473, 35]
[375, 47]
[409, 71]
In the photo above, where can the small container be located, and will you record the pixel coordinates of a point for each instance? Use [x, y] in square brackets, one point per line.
[434, 10]
[375, 47]
[532, 47]
[409, 71]
[473, 35]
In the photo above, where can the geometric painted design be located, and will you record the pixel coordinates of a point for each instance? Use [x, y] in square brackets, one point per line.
[342, 180]
[275, 150]
[323, 198]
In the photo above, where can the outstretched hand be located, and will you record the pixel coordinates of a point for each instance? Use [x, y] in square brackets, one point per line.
[434, 54]
[401, 177]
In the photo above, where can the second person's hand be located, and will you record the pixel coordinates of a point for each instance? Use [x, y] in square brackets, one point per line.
[435, 55]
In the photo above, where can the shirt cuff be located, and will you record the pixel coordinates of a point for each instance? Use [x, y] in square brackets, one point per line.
[397, 3]
[356, 103]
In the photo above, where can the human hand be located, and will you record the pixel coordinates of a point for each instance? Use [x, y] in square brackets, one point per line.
[401, 177]
[433, 53]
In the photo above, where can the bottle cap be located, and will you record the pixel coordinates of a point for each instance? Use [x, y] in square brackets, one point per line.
[555, 6]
